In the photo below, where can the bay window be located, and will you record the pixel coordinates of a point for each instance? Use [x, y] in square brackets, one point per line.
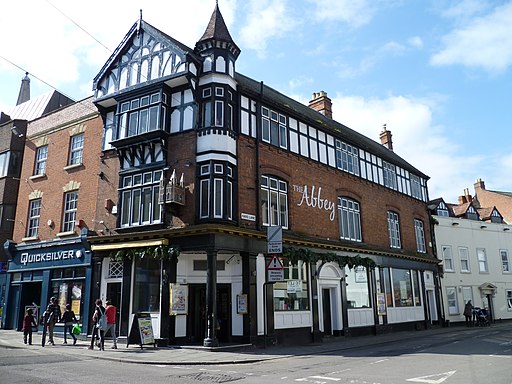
[142, 114]
[139, 199]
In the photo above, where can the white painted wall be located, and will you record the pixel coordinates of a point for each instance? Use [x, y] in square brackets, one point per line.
[456, 233]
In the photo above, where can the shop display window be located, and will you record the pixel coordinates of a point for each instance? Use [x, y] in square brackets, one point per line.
[358, 293]
[291, 294]
[146, 292]
[69, 292]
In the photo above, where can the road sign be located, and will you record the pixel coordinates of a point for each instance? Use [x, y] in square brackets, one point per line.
[275, 264]
[275, 270]
[275, 239]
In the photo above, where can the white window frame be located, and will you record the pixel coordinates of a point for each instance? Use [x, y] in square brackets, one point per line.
[394, 230]
[276, 210]
[464, 259]
[482, 260]
[347, 157]
[448, 258]
[467, 294]
[420, 236]
[349, 219]
[34, 217]
[41, 158]
[505, 262]
[452, 301]
[69, 211]
[76, 149]
[389, 175]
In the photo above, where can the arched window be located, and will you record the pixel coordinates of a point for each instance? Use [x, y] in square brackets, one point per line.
[350, 219]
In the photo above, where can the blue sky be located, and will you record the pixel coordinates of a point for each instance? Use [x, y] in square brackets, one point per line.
[437, 72]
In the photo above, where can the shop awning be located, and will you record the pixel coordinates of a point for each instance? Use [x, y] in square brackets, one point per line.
[129, 244]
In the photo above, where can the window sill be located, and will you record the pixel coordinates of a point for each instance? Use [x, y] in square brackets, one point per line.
[73, 166]
[37, 177]
[32, 238]
[65, 234]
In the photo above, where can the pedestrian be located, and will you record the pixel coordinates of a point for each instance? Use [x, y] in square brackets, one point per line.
[28, 321]
[97, 332]
[52, 317]
[110, 312]
[69, 319]
[468, 313]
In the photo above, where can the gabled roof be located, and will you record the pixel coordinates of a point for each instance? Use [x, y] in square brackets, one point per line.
[459, 209]
[272, 97]
[39, 106]
[433, 204]
[136, 28]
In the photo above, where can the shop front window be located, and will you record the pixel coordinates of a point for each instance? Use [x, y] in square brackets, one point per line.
[147, 285]
[402, 288]
[69, 292]
[291, 294]
[358, 294]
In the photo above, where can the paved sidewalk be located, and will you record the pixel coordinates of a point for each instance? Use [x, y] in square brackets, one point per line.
[203, 356]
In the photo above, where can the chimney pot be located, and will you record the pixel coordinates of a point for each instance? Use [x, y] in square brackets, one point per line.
[386, 138]
[321, 103]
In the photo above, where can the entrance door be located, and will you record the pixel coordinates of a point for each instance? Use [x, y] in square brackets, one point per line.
[114, 294]
[196, 324]
[326, 305]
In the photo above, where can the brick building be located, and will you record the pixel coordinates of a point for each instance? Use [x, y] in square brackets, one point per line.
[13, 127]
[49, 254]
[199, 161]
[489, 198]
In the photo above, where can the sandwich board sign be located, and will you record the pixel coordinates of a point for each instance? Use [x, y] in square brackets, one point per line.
[275, 271]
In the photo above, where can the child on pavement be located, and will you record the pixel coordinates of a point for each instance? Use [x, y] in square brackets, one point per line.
[28, 321]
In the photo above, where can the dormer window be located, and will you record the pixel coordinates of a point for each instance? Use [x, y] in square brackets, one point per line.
[442, 210]
[496, 217]
[471, 213]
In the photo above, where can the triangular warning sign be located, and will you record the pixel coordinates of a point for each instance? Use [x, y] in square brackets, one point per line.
[436, 378]
[275, 264]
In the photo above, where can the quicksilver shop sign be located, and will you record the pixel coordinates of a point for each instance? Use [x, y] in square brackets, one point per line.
[28, 258]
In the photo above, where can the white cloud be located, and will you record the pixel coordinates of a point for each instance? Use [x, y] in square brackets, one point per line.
[465, 9]
[300, 81]
[415, 138]
[484, 42]
[354, 13]
[415, 42]
[266, 19]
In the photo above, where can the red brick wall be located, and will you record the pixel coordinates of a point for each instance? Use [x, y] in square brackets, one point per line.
[57, 177]
[374, 200]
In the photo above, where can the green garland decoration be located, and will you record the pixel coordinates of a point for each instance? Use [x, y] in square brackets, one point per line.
[293, 255]
[157, 252]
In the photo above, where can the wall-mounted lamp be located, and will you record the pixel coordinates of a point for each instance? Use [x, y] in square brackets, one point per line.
[455, 223]
[15, 131]
[188, 163]
[483, 226]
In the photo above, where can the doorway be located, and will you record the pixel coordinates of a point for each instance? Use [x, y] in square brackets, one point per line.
[196, 323]
[114, 291]
[22, 295]
[326, 311]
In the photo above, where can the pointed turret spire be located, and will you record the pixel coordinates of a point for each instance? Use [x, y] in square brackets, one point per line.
[217, 31]
[24, 94]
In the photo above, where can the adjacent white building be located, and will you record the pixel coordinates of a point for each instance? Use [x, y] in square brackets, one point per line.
[475, 247]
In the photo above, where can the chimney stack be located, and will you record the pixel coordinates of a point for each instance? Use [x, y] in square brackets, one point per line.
[479, 185]
[469, 198]
[385, 138]
[462, 200]
[321, 103]
[24, 94]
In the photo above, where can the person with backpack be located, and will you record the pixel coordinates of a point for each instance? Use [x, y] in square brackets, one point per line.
[99, 320]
